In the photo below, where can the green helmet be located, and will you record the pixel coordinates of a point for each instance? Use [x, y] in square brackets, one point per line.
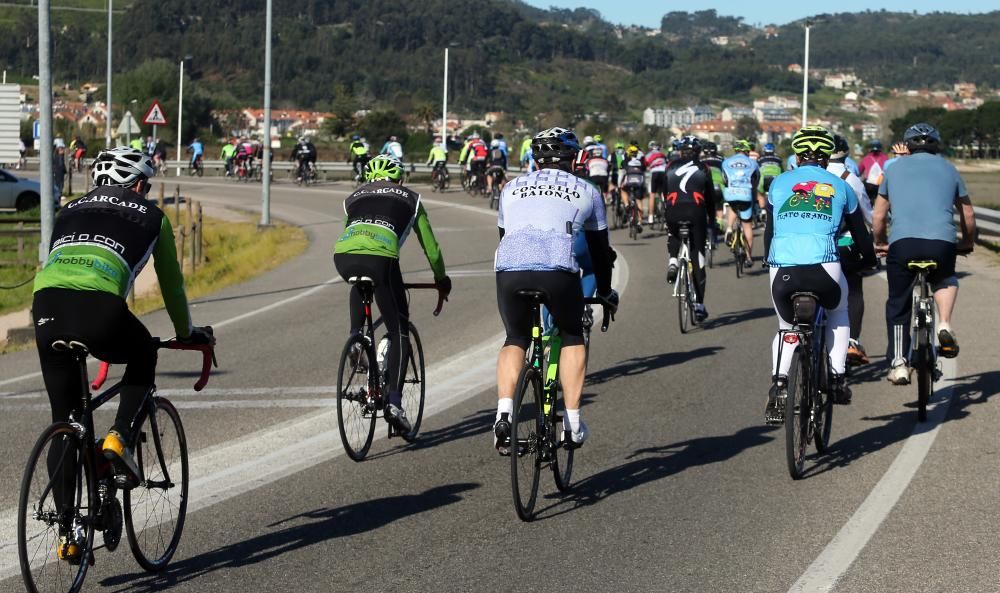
[620, 145]
[742, 145]
[383, 167]
[598, 138]
[815, 140]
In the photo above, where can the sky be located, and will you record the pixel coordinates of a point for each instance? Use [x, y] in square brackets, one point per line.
[649, 13]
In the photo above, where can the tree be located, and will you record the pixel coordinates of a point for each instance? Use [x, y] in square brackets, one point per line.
[379, 125]
[747, 128]
[426, 113]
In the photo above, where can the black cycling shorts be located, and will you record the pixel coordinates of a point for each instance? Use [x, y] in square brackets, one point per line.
[600, 181]
[658, 182]
[812, 278]
[564, 300]
[744, 210]
[498, 171]
[636, 190]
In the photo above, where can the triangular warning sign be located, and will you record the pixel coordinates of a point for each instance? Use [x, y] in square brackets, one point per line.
[155, 115]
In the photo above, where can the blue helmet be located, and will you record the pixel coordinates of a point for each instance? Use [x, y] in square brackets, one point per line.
[875, 145]
[769, 148]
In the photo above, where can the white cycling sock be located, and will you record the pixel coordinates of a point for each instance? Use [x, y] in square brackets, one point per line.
[505, 405]
[673, 262]
[571, 421]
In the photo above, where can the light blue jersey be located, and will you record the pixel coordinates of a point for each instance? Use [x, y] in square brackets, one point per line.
[539, 213]
[808, 205]
[742, 176]
[791, 163]
[852, 166]
[922, 189]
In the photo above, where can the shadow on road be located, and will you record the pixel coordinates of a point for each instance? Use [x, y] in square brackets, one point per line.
[655, 463]
[303, 530]
[475, 424]
[642, 364]
[737, 317]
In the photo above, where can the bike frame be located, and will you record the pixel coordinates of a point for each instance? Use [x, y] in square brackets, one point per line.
[683, 261]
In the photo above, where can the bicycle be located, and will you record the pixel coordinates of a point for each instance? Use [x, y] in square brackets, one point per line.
[305, 173]
[440, 179]
[923, 353]
[68, 452]
[618, 208]
[361, 379]
[633, 218]
[738, 245]
[684, 282]
[659, 213]
[495, 190]
[196, 167]
[536, 436]
[808, 406]
[476, 183]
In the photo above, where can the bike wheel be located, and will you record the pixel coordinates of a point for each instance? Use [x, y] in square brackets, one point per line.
[738, 254]
[823, 409]
[414, 386]
[925, 374]
[797, 412]
[41, 521]
[356, 412]
[562, 459]
[683, 296]
[155, 510]
[495, 199]
[526, 442]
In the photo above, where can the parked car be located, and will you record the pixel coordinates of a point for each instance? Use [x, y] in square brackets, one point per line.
[17, 192]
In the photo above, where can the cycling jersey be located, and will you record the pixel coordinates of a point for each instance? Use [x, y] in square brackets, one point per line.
[770, 167]
[393, 149]
[597, 167]
[304, 151]
[497, 158]
[869, 161]
[922, 189]
[526, 149]
[806, 207]
[741, 177]
[196, 149]
[853, 167]
[379, 218]
[101, 241]
[478, 150]
[690, 183]
[539, 213]
[635, 173]
[655, 162]
[791, 163]
[437, 155]
[358, 149]
[228, 151]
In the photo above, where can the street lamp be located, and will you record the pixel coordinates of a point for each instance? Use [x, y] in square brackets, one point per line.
[128, 123]
[805, 77]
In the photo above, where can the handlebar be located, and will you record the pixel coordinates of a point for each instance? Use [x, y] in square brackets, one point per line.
[427, 286]
[208, 360]
[609, 313]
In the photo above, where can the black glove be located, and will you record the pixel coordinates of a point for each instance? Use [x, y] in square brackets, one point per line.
[612, 300]
[199, 335]
[444, 286]
[612, 255]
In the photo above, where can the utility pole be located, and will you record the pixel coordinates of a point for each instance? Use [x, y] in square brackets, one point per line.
[805, 78]
[265, 209]
[180, 113]
[107, 106]
[444, 111]
[45, 115]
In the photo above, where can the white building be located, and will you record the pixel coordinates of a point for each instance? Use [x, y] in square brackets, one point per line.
[735, 113]
[676, 118]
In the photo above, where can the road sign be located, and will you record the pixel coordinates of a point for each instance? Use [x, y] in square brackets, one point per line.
[128, 126]
[154, 116]
[36, 130]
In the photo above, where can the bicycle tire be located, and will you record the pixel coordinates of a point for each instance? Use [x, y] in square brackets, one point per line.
[525, 439]
[709, 251]
[562, 458]
[797, 415]
[738, 254]
[495, 199]
[692, 318]
[158, 460]
[824, 404]
[683, 296]
[925, 374]
[414, 386]
[61, 435]
[355, 414]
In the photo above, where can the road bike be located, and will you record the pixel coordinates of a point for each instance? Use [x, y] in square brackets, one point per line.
[494, 192]
[738, 245]
[196, 167]
[684, 289]
[923, 356]
[361, 377]
[617, 208]
[808, 405]
[440, 180]
[633, 218]
[659, 213]
[710, 242]
[537, 438]
[476, 183]
[66, 462]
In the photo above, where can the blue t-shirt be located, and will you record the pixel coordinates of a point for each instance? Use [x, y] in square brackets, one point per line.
[808, 205]
[922, 189]
[540, 212]
[852, 166]
[741, 176]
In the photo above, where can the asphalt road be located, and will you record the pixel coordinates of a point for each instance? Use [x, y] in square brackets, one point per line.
[681, 487]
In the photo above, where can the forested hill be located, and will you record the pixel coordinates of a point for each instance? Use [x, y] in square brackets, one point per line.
[504, 54]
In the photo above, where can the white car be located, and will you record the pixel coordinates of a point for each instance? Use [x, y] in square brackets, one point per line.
[17, 192]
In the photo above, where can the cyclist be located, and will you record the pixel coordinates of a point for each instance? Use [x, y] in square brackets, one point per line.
[597, 166]
[922, 191]
[656, 164]
[805, 209]
[136, 143]
[599, 140]
[525, 158]
[100, 242]
[690, 200]
[496, 166]
[616, 164]
[304, 155]
[501, 143]
[197, 150]
[358, 156]
[244, 156]
[710, 156]
[438, 158]
[476, 163]
[871, 167]
[227, 154]
[393, 148]
[79, 150]
[539, 213]
[741, 179]
[769, 165]
[634, 184]
[379, 217]
[853, 272]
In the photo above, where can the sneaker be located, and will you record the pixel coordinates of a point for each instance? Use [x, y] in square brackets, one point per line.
[947, 343]
[672, 271]
[749, 262]
[700, 312]
[650, 219]
[638, 229]
[774, 413]
[501, 434]
[120, 456]
[840, 391]
[68, 551]
[396, 417]
[729, 236]
[578, 437]
[856, 354]
[899, 374]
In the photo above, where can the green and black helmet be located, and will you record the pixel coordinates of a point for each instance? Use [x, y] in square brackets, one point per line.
[383, 167]
[742, 145]
[814, 141]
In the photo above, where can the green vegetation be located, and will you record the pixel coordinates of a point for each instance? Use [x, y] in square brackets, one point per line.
[12, 275]
[970, 133]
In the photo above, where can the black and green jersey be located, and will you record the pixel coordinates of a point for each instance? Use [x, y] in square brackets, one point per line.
[770, 167]
[379, 218]
[101, 242]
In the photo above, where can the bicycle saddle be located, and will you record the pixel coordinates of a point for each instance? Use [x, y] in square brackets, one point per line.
[804, 306]
[361, 280]
[530, 294]
[921, 264]
[70, 346]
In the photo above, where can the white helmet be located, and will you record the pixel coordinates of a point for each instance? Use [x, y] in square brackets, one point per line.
[122, 166]
[588, 140]
[494, 143]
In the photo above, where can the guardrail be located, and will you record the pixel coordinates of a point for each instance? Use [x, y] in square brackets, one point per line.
[987, 221]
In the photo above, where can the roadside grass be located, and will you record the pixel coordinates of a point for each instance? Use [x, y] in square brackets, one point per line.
[12, 275]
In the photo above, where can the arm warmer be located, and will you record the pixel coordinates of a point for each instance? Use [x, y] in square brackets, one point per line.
[429, 243]
[168, 273]
[600, 256]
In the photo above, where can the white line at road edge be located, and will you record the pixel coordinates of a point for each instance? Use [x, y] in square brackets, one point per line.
[268, 455]
[823, 574]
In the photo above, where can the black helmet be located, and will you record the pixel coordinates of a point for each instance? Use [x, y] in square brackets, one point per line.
[690, 143]
[922, 137]
[710, 147]
[875, 145]
[554, 145]
[840, 147]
